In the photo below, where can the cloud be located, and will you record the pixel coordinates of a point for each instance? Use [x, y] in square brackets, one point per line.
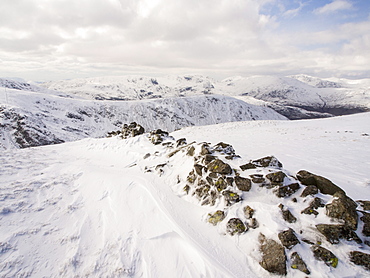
[336, 5]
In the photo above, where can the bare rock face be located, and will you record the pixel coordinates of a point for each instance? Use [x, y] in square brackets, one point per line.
[333, 233]
[325, 255]
[343, 208]
[323, 184]
[273, 256]
[288, 238]
[220, 167]
[298, 263]
[359, 258]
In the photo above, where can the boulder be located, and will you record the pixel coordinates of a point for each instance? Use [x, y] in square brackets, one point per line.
[248, 212]
[220, 167]
[198, 169]
[202, 191]
[359, 258]
[243, 184]
[288, 238]
[323, 184]
[287, 215]
[365, 204]
[247, 166]
[268, 161]
[298, 263]
[224, 148]
[333, 233]
[273, 256]
[366, 219]
[217, 217]
[190, 151]
[220, 184]
[257, 178]
[323, 254]
[230, 197]
[236, 226]
[317, 203]
[158, 136]
[131, 130]
[276, 177]
[310, 190]
[253, 223]
[343, 208]
[286, 190]
[204, 149]
[180, 142]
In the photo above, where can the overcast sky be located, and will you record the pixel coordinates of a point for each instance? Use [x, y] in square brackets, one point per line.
[59, 39]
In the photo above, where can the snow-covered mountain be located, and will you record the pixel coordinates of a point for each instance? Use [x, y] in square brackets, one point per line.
[116, 207]
[299, 96]
[40, 118]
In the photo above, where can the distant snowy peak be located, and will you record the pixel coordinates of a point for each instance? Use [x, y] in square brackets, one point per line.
[316, 82]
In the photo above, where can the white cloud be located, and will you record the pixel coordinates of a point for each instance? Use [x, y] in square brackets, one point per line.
[336, 5]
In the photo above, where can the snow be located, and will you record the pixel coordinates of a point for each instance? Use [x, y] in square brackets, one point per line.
[90, 208]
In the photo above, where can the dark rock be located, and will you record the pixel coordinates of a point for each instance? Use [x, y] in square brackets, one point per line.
[229, 181]
[191, 177]
[323, 184]
[325, 255]
[359, 258]
[210, 199]
[310, 190]
[298, 263]
[268, 161]
[333, 233]
[235, 226]
[198, 169]
[218, 166]
[309, 211]
[243, 184]
[288, 238]
[208, 158]
[220, 184]
[294, 200]
[190, 151]
[273, 256]
[202, 191]
[366, 219]
[365, 205]
[248, 212]
[224, 148]
[286, 190]
[253, 223]
[216, 217]
[158, 136]
[205, 149]
[248, 166]
[257, 178]
[230, 197]
[131, 130]
[213, 175]
[287, 215]
[180, 142]
[276, 177]
[317, 203]
[343, 208]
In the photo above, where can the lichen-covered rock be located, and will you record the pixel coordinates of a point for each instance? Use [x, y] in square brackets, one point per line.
[248, 212]
[323, 184]
[366, 219]
[224, 148]
[317, 203]
[268, 161]
[220, 184]
[217, 217]
[288, 238]
[333, 233]
[309, 210]
[131, 130]
[276, 177]
[186, 189]
[286, 190]
[191, 177]
[309, 190]
[243, 184]
[273, 256]
[202, 191]
[247, 166]
[298, 263]
[230, 197]
[235, 226]
[218, 166]
[257, 178]
[359, 258]
[324, 255]
[343, 208]
[365, 204]
[287, 215]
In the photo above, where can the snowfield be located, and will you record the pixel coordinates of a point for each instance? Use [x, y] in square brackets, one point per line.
[105, 208]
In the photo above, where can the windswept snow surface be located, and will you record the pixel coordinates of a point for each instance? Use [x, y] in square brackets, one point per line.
[89, 209]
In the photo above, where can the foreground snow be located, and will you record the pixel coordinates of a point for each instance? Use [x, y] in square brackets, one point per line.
[88, 209]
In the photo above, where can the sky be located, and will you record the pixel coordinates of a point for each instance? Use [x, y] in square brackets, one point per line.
[44, 40]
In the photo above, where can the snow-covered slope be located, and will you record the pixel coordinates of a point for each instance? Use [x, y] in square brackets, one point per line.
[115, 208]
[38, 118]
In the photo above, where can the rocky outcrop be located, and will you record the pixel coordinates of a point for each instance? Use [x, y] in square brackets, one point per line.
[343, 208]
[333, 233]
[323, 184]
[131, 130]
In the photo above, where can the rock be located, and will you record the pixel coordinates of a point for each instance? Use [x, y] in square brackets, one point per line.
[248, 212]
[224, 148]
[186, 189]
[190, 151]
[158, 136]
[359, 258]
[218, 166]
[131, 130]
[220, 184]
[287, 215]
[253, 223]
[343, 208]
[216, 217]
[298, 263]
[288, 238]
[309, 210]
[235, 226]
[366, 219]
[323, 184]
[247, 166]
[333, 233]
[276, 177]
[273, 256]
[286, 190]
[317, 203]
[310, 190]
[268, 161]
[198, 169]
[208, 158]
[365, 205]
[204, 149]
[230, 181]
[210, 199]
[325, 255]
[230, 197]
[191, 177]
[180, 142]
[243, 184]
[257, 178]
[202, 191]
